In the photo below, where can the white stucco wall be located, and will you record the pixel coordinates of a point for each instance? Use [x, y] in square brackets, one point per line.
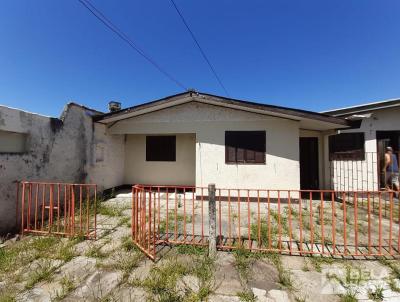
[107, 159]
[57, 150]
[362, 175]
[180, 172]
[209, 124]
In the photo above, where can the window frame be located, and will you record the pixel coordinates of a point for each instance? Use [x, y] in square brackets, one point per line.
[151, 157]
[246, 152]
[23, 136]
[355, 154]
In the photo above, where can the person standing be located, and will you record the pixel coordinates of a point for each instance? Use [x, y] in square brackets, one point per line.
[391, 170]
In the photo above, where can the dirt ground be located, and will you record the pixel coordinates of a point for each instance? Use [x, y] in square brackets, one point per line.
[113, 269]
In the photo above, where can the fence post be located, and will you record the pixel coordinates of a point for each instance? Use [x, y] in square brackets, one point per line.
[212, 230]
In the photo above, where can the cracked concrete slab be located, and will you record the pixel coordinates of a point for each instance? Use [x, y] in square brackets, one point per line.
[96, 286]
[227, 277]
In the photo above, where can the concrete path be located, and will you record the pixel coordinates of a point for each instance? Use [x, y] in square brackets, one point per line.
[112, 269]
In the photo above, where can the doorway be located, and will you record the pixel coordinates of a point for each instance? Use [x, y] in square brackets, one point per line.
[385, 139]
[309, 176]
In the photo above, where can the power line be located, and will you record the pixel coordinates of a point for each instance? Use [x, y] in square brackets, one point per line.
[103, 19]
[198, 45]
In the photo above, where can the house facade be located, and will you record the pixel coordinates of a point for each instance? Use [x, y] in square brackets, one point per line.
[194, 139]
[356, 155]
[199, 139]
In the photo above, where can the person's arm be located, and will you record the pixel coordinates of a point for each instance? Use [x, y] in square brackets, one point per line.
[387, 161]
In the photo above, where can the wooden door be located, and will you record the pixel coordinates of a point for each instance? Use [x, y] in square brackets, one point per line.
[309, 175]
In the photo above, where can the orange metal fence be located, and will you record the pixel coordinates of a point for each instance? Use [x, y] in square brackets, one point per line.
[337, 223]
[57, 208]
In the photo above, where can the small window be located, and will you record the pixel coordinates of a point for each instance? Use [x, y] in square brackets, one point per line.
[160, 148]
[346, 146]
[13, 142]
[245, 147]
[99, 153]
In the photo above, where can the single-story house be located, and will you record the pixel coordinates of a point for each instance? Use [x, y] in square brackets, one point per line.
[191, 139]
[357, 153]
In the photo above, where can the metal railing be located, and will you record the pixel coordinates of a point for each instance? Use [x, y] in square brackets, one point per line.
[57, 208]
[366, 174]
[295, 222]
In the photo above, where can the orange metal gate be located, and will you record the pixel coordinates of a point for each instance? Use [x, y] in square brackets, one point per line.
[295, 222]
[143, 220]
[57, 208]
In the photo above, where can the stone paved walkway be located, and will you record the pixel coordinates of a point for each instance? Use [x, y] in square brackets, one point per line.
[112, 269]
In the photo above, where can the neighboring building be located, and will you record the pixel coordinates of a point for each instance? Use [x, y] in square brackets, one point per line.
[356, 155]
[67, 149]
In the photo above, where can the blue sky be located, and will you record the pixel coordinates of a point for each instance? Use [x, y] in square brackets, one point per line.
[307, 54]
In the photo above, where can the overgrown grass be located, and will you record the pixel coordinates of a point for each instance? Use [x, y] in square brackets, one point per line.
[267, 232]
[243, 260]
[283, 219]
[284, 276]
[127, 243]
[126, 263]
[349, 296]
[8, 295]
[188, 249]
[43, 244]
[246, 296]
[126, 220]
[111, 210]
[394, 267]
[318, 261]
[24, 252]
[352, 279]
[7, 259]
[67, 286]
[203, 269]
[123, 261]
[376, 294]
[393, 285]
[300, 298]
[174, 221]
[42, 273]
[161, 282]
[65, 251]
[95, 252]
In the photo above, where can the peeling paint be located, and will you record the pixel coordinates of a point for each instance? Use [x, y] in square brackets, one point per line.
[60, 149]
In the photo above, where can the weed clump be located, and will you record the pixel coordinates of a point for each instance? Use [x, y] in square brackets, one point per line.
[42, 273]
[376, 294]
[246, 296]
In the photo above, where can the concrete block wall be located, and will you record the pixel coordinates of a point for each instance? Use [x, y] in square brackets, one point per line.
[66, 149]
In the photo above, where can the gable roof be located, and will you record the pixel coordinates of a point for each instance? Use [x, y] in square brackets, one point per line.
[181, 98]
[346, 111]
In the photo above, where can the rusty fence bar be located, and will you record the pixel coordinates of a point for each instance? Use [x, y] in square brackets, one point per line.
[168, 215]
[63, 209]
[295, 222]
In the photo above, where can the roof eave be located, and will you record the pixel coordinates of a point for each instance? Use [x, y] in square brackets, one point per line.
[290, 113]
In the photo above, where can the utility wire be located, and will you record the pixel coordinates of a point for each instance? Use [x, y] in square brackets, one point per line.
[103, 19]
[198, 45]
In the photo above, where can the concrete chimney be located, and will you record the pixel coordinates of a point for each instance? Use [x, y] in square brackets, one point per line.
[114, 106]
